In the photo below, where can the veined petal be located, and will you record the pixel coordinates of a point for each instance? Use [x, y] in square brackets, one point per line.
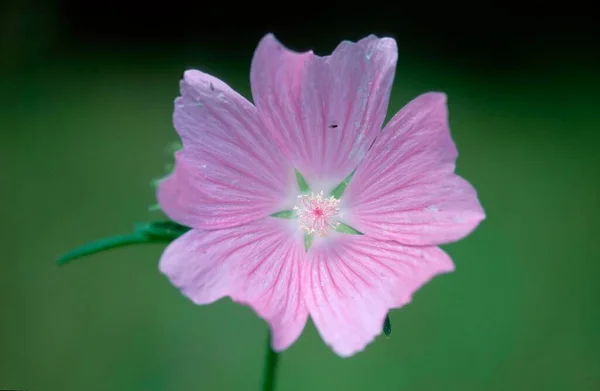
[405, 189]
[259, 264]
[324, 111]
[353, 281]
[229, 171]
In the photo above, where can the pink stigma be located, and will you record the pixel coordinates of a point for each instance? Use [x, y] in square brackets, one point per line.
[317, 214]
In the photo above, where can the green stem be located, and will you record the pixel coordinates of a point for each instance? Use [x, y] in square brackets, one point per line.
[154, 232]
[270, 367]
[103, 245]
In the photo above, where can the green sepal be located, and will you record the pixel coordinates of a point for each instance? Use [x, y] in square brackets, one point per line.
[154, 232]
[154, 208]
[175, 146]
[169, 167]
[302, 184]
[284, 214]
[162, 230]
[387, 326]
[344, 228]
[156, 182]
[339, 189]
[308, 239]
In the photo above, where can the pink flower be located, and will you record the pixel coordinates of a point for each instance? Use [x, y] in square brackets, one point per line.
[344, 260]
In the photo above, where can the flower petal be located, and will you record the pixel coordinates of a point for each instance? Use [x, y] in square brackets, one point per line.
[229, 171]
[258, 264]
[324, 111]
[352, 282]
[406, 189]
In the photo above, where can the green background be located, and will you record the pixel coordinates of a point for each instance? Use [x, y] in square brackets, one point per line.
[82, 133]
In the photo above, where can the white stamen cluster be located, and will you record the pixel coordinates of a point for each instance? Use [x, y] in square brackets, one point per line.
[317, 213]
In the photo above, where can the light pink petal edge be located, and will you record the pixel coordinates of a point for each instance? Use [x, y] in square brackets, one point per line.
[229, 171]
[406, 189]
[324, 112]
[351, 285]
[259, 264]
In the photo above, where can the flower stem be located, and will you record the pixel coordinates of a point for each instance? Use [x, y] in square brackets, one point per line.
[271, 361]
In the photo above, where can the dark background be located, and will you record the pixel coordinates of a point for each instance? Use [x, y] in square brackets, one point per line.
[86, 98]
[493, 35]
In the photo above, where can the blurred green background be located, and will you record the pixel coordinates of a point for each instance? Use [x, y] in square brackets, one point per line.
[85, 124]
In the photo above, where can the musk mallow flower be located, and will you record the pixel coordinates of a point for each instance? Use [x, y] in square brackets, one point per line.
[301, 205]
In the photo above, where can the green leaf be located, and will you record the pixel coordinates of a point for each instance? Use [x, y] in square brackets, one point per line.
[154, 232]
[347, 229]
[307, 241]
[387, 326]
[339, 189]
[284, 214]
[301, 182]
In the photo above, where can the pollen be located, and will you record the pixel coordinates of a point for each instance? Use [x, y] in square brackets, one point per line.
[317, 214]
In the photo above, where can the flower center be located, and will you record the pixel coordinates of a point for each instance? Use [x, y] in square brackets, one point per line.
[317, 214]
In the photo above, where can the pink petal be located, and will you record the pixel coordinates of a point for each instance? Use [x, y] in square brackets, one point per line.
[258, 264]
[352, 282]
[229, 171]
[406, 189]
[324, 111]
